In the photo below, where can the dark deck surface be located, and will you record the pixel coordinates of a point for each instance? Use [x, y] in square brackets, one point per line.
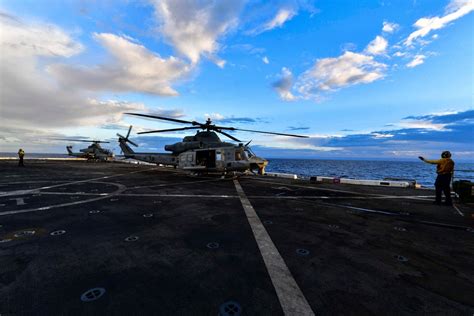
[354, 236]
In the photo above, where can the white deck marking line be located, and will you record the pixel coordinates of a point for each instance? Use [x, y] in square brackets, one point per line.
[457, 209]
[24, 192]
[291, 298]
[224, 196]
[120, 187]
[363, 209]
[414, 197]
[171, 184]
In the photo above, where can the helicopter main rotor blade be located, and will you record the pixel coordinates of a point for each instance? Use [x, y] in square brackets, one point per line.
[80, 140]
[129, 130]
[228, 135]
[168, 130]
[165, 118]
[262, 132]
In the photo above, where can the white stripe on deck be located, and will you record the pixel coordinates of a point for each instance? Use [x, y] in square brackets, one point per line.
[291, 298]
[457, 209]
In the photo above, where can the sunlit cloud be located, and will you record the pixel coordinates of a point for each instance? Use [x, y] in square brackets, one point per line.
[455, 10]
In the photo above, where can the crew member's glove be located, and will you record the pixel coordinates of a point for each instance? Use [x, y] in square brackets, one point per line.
[421, 158]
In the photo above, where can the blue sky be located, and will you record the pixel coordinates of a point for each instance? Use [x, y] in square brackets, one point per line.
[365, 79]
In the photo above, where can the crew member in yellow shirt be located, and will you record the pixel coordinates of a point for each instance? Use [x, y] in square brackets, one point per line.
[444, 169]
[21, 154]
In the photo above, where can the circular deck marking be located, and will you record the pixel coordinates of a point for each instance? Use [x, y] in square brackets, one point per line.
[94, 212]
[404, 213]
[147, 215]
[401, 258]
[400, 229]
[267, 222]
[5, 240]
[25, 233]
[302, 252]
[58, 233]
[131, 238]
[230, 308]
[92, 294]
[213, 245]
[333, 226]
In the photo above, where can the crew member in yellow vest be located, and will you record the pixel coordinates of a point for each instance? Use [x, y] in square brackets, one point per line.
[444, 169]
[21, 154]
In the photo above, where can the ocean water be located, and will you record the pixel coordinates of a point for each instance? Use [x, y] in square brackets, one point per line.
[423, 173]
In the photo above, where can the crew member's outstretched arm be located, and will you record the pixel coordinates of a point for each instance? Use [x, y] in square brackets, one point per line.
[433, 162]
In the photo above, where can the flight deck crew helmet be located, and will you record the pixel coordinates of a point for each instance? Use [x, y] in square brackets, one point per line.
[446, 154]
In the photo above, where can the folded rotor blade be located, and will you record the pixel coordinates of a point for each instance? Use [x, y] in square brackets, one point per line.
[129, 130]
[134, 144]
[228, 135]
[262, 132]
[168, 130]
[164, 118]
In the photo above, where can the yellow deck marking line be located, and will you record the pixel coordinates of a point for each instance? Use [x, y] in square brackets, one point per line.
[291, 298]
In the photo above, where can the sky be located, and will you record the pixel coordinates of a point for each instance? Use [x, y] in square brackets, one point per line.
[364, 79]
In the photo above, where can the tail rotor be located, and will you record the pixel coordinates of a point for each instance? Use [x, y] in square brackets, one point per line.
[125, 139]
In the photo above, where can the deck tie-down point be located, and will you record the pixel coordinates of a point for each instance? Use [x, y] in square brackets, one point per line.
[147, 215]
[58, 232]
[25, 233]
[230, 308]
[302, 252]
[213, 245]
[131, 238]
[401, 258]
[400, 229]
[92, 294]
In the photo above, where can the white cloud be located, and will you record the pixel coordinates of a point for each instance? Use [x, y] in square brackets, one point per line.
[265, 60]
[30, 97]
[377, 46]
[345, 70]
[284, 85]
[132, 68]
[422, 124]
[282, 16]
[381, 135]
[194, 27]
[455, 10]
[389, 27]
[416, 61]
[214, 116]
[19, 40]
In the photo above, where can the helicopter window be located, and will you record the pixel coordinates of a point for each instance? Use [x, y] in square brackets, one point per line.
[248, 153]
[190, 157]
[218, 155]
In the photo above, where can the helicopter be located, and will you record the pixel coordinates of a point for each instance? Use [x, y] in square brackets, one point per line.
[204, 152]
[94, 152]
